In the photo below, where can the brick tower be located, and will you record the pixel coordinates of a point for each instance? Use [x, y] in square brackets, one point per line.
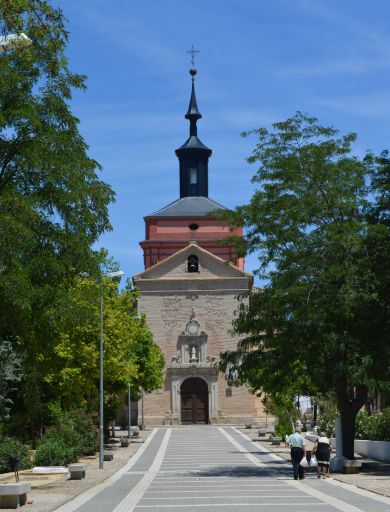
[188, 218]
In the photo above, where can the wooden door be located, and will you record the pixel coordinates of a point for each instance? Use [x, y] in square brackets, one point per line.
[194, 401]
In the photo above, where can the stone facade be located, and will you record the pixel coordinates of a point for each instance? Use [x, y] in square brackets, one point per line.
[190, 315]
[189, 296]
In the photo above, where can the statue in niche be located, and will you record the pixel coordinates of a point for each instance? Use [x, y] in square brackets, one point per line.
[193, 359]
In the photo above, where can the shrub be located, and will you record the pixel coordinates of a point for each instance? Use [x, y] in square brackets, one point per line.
[327, 415]
[88, 433]
[75, 434]
[284, 426]
[54, 452]
[65, 434]
[375, 427]
[9, 447]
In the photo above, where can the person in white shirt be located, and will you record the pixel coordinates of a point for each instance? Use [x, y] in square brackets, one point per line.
[297, 445]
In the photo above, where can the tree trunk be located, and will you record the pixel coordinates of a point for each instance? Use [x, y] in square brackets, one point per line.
[33, 434]
[349, 403]
[348, 417]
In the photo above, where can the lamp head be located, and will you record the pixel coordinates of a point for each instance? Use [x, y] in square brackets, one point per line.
[117, 273]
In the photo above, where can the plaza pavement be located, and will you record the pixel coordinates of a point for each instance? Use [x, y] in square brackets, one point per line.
[375, 476]
[212, 468]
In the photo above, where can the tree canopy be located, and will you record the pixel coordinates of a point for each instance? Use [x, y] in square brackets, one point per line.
[130, 356]
[53, 204]
[318, 221]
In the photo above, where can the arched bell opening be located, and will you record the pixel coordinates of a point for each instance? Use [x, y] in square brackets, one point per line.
[193, 263]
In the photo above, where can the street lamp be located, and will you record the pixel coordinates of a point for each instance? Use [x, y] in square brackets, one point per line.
[142, 409]
[110, 275]
[14, 41]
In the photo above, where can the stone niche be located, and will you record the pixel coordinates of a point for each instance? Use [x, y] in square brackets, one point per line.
[192, 344]
[192, 361]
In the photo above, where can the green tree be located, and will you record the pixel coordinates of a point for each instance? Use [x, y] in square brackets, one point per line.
[53, 205]
[321, 322]
[282, 407]
[129, 352]
[10, 375]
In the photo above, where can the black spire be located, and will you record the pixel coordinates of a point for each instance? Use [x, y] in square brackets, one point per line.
[193, 155]
[193, 113]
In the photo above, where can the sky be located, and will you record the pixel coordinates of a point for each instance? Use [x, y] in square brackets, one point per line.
[259, 62]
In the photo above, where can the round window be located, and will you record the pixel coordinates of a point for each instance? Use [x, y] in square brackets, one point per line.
[193, 227]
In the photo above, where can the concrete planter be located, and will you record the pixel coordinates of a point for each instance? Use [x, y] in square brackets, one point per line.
[377, 450]
[351, 467]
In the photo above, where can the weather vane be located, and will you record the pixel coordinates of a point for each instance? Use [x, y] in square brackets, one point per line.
[192, 52]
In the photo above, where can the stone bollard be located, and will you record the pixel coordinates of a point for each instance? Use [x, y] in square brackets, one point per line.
[351, 466]
[134, 431]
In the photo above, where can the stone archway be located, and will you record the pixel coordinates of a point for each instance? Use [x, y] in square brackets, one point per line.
[194, 401]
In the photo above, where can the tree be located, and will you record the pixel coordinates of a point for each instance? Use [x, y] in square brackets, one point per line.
[53, 206]
[321, 322]
[10, 374]
[129, 352]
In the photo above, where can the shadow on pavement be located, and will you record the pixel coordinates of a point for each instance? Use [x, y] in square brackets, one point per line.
[241, 472]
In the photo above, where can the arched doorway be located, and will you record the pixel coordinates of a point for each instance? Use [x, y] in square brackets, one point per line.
[194, 401]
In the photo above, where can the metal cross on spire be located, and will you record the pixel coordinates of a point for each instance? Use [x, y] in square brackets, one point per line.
[192, 52]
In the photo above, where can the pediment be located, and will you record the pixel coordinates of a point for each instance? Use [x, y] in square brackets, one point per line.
[175, 267]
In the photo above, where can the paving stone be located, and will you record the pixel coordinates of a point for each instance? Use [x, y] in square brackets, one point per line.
[206, 468]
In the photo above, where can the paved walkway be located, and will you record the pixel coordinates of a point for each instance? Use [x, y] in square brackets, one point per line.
[49, 491]
[375, 476]
[215, 469]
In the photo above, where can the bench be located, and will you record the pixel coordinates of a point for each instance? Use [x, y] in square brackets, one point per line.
[13, 495]
[107, 456]
[76, 471]
[124, 442]
[262, 432]
[276, 441]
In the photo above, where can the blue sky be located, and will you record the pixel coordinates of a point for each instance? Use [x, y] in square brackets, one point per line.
[259, 62]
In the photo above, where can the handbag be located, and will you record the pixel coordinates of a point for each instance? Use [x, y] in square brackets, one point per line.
[303, 462]
[313, 461]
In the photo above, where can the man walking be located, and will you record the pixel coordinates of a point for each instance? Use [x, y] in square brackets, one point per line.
[297, 445]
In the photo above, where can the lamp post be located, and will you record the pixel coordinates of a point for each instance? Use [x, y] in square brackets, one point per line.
[110, 275]
[14, 41]
[129, 411]
[142, 410]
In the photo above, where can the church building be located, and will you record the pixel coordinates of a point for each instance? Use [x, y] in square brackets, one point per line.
[189, 296]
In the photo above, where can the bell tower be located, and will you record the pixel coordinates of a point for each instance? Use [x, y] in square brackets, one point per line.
[191, 217]
[193, 155]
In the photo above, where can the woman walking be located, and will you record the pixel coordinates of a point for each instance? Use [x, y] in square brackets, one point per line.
[322, 451]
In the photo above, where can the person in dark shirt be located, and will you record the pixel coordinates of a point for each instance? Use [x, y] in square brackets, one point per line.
[322, 451]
